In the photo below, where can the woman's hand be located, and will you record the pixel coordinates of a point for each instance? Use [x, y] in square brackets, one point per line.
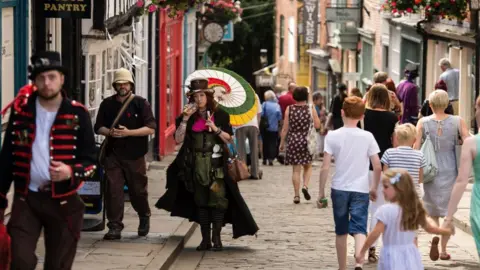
[189, 109]
[211, 125]
[448, 225]
[282, 147]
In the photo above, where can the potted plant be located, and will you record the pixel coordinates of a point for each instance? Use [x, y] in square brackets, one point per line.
[222, 11]
[432, 8]
[173, 7]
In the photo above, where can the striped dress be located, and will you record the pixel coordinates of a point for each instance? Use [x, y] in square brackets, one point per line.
[407, 158]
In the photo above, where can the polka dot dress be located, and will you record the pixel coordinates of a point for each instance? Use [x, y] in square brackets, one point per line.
[299, 122]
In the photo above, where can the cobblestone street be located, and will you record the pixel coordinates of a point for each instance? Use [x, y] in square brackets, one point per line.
[302, 236]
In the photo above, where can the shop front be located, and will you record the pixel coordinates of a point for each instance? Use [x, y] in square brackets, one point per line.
[324, 73]
[170, 73]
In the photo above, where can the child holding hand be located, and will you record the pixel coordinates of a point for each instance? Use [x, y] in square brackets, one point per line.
[398, 221]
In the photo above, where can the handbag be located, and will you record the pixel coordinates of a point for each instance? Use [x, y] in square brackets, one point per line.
[312, 136]
[430, 171]
[103, 147]
[458, 146]
[236, 168]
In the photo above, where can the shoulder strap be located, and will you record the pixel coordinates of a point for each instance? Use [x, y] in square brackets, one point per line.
[122, 110]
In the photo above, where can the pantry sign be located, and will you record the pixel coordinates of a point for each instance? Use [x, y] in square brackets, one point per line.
[76, 9]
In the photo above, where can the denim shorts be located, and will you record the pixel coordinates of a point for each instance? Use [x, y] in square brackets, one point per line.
[350, 212]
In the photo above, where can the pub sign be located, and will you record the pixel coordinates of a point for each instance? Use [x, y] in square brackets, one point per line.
[75, 9]
[310, 21]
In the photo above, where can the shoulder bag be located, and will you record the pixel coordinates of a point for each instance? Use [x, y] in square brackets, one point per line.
[237, 169]
[428, 149]
[103, 147]
[312, 135]
[264, 119]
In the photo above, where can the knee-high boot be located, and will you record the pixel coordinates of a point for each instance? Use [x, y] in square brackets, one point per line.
[217, 221]
[204, 221]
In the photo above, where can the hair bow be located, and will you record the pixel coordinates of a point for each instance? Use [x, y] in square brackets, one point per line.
[395, 179]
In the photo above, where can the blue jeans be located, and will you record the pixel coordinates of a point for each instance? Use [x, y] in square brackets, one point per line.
[350, 212]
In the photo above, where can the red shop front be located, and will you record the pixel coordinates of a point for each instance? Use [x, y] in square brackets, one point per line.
[170, 72]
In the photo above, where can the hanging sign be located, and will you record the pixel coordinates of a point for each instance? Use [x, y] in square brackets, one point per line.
[76, 9]
[310, 21]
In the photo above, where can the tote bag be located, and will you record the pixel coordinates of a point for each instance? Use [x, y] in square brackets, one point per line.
[312, 136]
[428, 149]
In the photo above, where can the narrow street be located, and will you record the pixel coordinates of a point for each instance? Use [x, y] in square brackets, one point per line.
[297, 236]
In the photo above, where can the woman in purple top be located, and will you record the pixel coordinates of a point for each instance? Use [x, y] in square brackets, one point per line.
[407, 92]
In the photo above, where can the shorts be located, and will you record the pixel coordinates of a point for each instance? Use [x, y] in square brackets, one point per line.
[350, 212]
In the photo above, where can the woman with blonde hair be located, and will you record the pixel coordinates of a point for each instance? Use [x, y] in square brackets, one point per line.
[443, 131]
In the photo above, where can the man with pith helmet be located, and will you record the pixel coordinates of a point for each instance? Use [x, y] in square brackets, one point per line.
[125, 153]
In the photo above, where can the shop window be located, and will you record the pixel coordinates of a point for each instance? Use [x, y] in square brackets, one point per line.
[385, 59]
[367, 64]
[411, 52]
[191, 48]
[282, 34]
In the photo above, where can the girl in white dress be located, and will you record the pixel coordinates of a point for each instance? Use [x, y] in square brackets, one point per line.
[398, 221]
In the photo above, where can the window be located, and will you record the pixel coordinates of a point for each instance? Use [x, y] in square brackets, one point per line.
[282, 34]
[191, 48]
[367, 64]
[385, 59]
[411, 52]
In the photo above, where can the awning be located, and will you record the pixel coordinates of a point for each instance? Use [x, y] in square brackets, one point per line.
[335, 66]
[318, 52]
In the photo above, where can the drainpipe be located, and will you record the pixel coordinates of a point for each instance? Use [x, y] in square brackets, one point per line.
[424, 34]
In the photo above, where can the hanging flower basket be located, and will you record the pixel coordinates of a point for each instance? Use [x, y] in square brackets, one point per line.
[432, 8]
[173, 7]
[222, 11]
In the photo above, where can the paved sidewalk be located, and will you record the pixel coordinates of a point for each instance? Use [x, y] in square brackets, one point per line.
[156, 251]
[462, 217]
[302, 236]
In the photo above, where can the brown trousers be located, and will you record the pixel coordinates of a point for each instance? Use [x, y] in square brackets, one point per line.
[61, 220]
[134, 174]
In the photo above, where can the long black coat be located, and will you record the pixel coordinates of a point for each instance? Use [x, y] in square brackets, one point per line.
[179, 201]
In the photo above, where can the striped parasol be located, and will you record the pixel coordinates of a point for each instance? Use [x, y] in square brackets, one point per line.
[232, 92]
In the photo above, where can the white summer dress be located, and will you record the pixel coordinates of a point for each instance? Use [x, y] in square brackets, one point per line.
[399, 251]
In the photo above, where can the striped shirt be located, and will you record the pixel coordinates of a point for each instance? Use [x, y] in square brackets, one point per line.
[407, 158]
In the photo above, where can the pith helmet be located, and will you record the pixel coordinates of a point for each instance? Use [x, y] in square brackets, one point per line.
[122, 75]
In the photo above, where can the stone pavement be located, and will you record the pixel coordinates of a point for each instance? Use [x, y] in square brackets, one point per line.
[302, 236]
[156, 251]
[462, 217]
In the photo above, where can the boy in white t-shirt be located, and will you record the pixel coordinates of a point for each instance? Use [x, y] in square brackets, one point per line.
[353, 149]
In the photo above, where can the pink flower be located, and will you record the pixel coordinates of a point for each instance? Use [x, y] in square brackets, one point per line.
[152, 8]
[409, 10]
[140, 3]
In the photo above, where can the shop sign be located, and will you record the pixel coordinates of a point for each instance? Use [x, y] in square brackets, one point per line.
[76, 9]
[335, 14]
[264, 80]
[310, 21]
[351, 76]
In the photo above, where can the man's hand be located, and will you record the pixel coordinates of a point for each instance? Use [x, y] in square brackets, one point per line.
[59, 171]
[121, 132]
[373, 194]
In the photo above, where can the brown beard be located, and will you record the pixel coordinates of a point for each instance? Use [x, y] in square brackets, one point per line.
[49, 97]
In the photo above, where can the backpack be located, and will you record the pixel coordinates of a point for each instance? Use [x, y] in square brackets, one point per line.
[428, 149]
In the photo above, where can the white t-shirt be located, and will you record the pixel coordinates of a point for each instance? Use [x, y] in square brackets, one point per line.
[39, 173]
[352, 149]
[254, 121]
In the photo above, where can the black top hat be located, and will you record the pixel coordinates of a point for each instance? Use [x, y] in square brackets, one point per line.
[45, 61]
[197, 85]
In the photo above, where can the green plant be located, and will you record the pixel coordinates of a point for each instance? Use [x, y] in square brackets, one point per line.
[173, 7]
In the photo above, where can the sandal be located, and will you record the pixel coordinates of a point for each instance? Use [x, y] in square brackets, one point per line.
[296, 199]
[445, 256]
[305, 193]
[372, 255]
[434, 254]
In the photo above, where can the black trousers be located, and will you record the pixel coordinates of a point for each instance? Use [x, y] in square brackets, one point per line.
[270, 144]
